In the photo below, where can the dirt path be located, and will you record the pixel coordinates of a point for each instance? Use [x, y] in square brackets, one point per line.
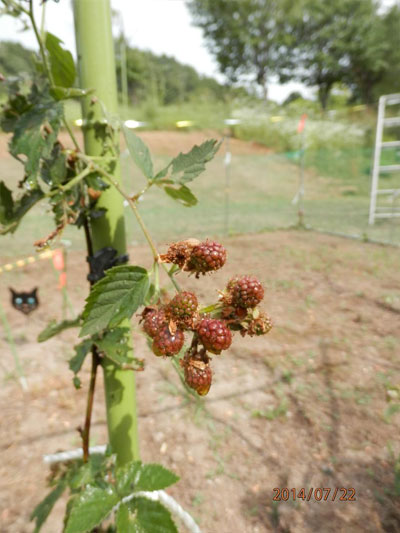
[303, 407]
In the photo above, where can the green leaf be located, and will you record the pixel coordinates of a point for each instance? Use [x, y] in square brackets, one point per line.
[127, 477]
[62, 64]
[21, 207]
[42, 511]
[54, 327]
[90, 508]
[125, 522]
[136, 476]
[81, 349]
[115, 297]
[115, 346]
[186, 167]
[35, 133]
[139, 152]
[182, 195]
[151, 517]
[6, 204]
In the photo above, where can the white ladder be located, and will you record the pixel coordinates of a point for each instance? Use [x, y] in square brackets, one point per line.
[374, 211]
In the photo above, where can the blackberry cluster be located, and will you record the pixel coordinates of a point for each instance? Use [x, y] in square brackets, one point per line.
[211, 328]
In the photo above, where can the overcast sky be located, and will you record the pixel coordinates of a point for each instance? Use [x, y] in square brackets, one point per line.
[162, 26]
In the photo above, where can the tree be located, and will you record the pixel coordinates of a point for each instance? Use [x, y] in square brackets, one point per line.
[247, 37]
[15, 59]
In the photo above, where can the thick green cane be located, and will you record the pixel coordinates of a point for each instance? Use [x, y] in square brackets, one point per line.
[97, 71]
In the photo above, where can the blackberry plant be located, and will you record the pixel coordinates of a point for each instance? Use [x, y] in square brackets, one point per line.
[83, 188]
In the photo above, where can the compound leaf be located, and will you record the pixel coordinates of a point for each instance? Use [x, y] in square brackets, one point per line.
[186, 167]
[115, 297]
[90, 508]
[139, 152]
[182, 195]
[44, 508]
[151, 517]
[61, 62]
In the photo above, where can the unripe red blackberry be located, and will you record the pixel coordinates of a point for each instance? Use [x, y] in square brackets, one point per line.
[214, 335]
[167, 343]
[245, 292]
[153, 320]
[206, 257]
[198, 376]
[182, 308]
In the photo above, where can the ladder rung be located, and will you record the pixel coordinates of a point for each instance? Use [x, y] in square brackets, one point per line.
[391, 144]
[388, 191]
[386, 215]
[389, 168]
[392, 121]
[392, 99]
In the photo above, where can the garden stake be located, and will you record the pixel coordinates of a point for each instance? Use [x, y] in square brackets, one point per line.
[97, 69]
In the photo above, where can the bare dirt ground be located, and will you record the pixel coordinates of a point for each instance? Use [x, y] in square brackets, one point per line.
[302, 407]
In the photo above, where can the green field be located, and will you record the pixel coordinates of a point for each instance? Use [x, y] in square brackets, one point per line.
[258, 197]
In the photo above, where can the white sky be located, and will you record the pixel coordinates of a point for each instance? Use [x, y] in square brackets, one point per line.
[162, 26]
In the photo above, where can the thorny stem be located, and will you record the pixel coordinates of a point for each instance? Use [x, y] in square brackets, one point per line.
[132, 205]
[72, 182]
[89, 405]
[46, 65]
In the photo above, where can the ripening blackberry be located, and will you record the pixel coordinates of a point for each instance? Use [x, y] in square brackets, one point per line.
[167, 343]
[198, 375]
[183, 308]
[214, 335]
[153, 320]
[245, 292]
[206, 257]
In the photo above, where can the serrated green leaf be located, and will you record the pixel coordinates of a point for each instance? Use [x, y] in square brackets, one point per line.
[42, 511]
[62, 64]
[155, 477]
[90, 508]
[127, 477]
[139, 152]
[125, 522]
[30, 138]
[54, 327]
[136, 476]
[186, 167]
[6, 204]
[182, 195]
[21, 207]
[81, 351]
[151, 517]
[115, 346]
[115, 297]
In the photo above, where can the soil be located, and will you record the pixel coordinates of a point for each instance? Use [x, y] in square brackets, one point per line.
[304, 407]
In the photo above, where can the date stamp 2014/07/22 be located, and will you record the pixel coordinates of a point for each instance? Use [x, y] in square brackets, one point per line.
[318, 494]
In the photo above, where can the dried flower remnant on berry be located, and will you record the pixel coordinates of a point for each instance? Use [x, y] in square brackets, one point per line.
[179, 253]
[198, 375]
[214, 335]
[168, 343]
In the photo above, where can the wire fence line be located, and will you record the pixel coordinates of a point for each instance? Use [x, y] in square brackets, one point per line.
[318, 189]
